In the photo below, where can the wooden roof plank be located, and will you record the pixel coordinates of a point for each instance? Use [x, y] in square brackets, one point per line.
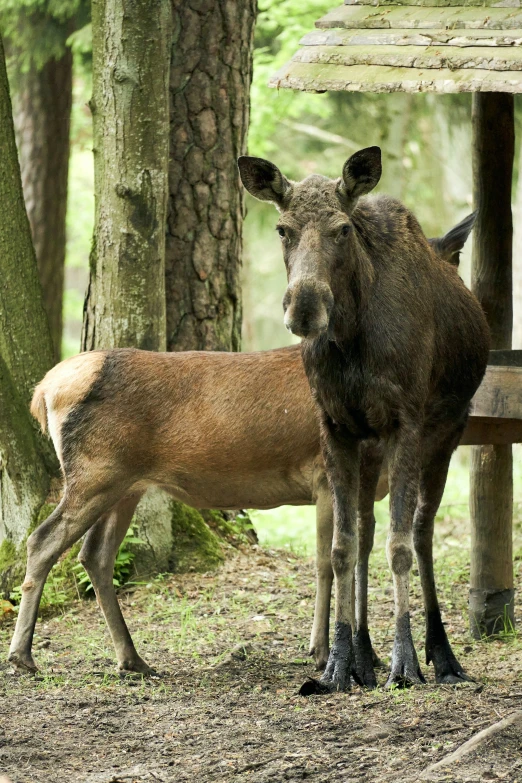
[440, 3]
[506, 59]
[415, 17]
[399, 37]
[312, 77]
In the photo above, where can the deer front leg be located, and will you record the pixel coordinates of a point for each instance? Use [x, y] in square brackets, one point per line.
[319, 640]
[404, 484]
[341, 455]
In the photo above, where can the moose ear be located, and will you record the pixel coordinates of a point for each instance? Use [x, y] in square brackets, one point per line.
[361, 173]
[262, 179]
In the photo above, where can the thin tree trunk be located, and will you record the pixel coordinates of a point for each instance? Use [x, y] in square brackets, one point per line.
[42, 113]
[125, 303]
[211, 72]
[26, 354]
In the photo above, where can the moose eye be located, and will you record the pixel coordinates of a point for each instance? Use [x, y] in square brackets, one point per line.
[345, 230]
[280, 230]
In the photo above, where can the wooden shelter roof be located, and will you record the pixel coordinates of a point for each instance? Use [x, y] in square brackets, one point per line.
[442, 46]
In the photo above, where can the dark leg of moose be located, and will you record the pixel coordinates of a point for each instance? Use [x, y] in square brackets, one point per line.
[435, 463]
[371, 461]
[341, 454]
[404, 484]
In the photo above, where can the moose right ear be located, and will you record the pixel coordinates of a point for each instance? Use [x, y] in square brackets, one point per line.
[262, 179]
[361, 173]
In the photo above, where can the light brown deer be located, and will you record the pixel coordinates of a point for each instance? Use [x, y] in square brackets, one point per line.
[216, 430]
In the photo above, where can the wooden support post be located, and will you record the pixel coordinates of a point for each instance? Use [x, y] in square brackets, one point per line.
[491, 602]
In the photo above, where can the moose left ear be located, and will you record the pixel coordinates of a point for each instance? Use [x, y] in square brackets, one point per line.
[361, 173]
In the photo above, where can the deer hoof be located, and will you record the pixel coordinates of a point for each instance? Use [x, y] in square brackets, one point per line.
[136, 666]
[23, 663]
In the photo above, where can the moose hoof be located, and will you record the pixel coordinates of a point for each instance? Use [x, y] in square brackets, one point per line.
[448, 670]
[314, 687]
[23, 663]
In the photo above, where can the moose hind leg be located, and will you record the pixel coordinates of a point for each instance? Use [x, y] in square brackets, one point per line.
[432, 481]
[68, 522]
[97, 555]
[405, 669]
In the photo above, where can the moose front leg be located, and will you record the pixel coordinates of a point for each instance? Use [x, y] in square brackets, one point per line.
[341, 455]
[371, 461]
[404, 475]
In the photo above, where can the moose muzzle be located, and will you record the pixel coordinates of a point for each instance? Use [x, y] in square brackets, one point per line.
[307, 304]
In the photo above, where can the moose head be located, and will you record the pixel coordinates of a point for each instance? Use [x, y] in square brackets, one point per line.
[316, 230]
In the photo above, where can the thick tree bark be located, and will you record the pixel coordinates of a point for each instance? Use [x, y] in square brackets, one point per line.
[211, 72]
[125, 303]
[26, 354]
[491, 594]
[42, 113]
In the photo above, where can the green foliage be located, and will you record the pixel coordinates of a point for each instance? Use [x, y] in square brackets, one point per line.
[38, 30]
[280, 25]
[122, 564]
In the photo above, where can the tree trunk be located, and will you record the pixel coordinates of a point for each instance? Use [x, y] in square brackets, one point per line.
[125, 304]
[26, 461]
[211, 72]
[42, 113]
[491, 601]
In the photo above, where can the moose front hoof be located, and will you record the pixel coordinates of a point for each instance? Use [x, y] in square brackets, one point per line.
[23, 663]
[314, 687]
[404, 675]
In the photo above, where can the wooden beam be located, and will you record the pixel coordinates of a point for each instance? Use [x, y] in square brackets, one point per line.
[491, 602]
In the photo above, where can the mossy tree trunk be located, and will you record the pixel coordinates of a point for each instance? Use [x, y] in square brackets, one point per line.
[211, 72]
[125, 303]
[42, 115]
[26, 353]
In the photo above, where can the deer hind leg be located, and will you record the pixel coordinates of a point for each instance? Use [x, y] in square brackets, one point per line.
[371, 460]
[341, 455]
[404, 475]
[76, 513]
[319, 640]
[440, 446]
[97, 555]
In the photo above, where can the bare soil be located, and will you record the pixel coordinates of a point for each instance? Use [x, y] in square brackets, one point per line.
[231, 647]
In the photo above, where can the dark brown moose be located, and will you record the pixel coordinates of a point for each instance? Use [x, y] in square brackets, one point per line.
[394, 347]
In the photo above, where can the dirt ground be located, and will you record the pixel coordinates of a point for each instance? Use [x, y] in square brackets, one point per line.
[232, 651]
